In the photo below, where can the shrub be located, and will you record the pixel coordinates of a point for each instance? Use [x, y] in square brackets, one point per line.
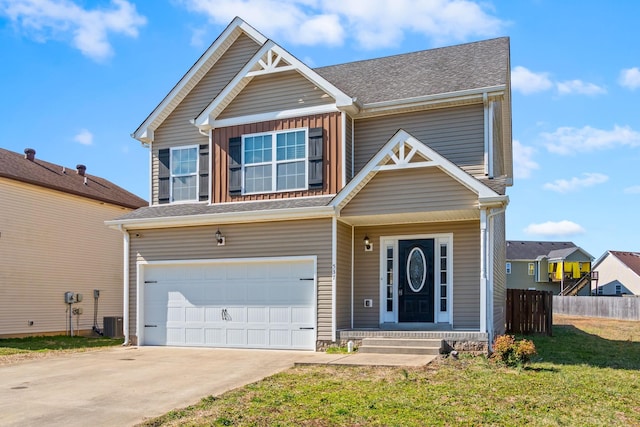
[509, 351]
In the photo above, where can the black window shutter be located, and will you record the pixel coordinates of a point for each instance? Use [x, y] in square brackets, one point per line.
[164, 176]
[204, 172]
[235, 165]
[316, 166]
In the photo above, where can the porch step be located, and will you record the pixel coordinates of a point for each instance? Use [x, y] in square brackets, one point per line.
[401, 346]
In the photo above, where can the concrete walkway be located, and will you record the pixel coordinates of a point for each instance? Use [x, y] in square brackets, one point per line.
[123, 386]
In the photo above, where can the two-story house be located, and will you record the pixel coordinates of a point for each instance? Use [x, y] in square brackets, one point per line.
[292, 207]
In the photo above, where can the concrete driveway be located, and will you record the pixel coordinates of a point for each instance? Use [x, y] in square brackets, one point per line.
[123, 386]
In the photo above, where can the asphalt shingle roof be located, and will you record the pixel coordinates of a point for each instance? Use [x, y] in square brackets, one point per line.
[49, 175]
[428, 72]
[529, 250]
[168, 211]
[630, 259]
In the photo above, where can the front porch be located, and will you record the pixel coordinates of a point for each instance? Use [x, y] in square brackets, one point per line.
[459, 340]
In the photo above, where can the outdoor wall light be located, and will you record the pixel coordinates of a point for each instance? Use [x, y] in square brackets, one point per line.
[220, 238]
[368, 246]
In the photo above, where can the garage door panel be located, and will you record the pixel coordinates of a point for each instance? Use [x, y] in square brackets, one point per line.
[256, 304]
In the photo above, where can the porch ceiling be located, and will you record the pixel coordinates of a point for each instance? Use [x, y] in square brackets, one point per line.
[412, 217]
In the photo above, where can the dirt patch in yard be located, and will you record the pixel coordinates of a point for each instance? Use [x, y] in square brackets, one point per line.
[611, 329]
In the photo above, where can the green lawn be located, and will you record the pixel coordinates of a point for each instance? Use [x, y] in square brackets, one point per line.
[587, 374]
[46, 344]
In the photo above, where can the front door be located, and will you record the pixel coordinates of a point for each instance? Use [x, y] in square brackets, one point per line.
[416, 280]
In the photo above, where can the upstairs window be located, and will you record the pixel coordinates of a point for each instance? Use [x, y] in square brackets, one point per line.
[276, 161]
[531, 269]
[508, 268]
[184, 174]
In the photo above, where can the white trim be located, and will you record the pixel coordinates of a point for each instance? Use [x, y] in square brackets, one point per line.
[274, 115]
[144, 133]
[400, 139]
[210, 177]
[353, 162]
[483, 270]
[353, 236]
[227, 218]
[438, 238]
[197, 174]
[490, 147]
[125, 289]
[485, 131]
[151, 171]
[343, 117]
[334, 266]
[210, 113]
[141, 265]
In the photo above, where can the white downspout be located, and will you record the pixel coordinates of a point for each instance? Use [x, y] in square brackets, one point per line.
[352, 272]
[334, 258]
[485, 101]
[486, 269]
[125, 303]
[483, 270]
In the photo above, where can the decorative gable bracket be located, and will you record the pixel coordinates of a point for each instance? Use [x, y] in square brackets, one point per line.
[271, 62]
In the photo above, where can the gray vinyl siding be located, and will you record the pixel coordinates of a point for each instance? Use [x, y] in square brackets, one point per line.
[343, 277]
[411, 190]
[466, 270]
[51, 243]
[348, 141]
[286, 90]
[499, 275]
[273, 239]
[177, 130]
[456, 133]
[520, 279]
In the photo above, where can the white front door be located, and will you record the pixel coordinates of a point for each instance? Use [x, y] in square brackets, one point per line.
[236, 303]
[416, 279]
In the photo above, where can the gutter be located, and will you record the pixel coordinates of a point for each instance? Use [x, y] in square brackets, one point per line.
[225, 218]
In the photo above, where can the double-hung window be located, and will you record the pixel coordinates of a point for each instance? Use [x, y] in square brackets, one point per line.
[184, 173]
[275, 161]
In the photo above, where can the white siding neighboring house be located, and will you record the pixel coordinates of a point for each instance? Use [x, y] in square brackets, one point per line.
[53, 240]
[618, 273]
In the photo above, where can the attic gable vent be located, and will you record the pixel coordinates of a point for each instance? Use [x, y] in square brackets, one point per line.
[30, 154]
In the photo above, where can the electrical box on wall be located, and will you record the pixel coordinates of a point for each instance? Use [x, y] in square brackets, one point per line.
[68, 298]
[368, 303]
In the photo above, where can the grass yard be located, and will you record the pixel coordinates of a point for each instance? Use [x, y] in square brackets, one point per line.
[18, 349]
[587, 374]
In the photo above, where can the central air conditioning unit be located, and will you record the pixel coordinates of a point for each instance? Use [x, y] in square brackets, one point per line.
[113, 327]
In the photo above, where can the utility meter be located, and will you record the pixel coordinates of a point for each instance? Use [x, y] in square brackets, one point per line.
[68, 298]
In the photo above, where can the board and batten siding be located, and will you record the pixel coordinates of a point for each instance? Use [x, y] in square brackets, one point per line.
[252, 240]
[343, 277]
[287, 90]
[332, 153]
[348, 141]
[457, 133]
[411, 190]
[499, 274]
[466, 270]
[177, 130]
[50, 243]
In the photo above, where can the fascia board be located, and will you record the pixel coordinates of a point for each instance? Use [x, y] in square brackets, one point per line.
[371, 168]
[144, 133]
[225, 218]
[207, 117]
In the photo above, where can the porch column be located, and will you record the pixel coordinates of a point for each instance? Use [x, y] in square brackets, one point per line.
[483, 270]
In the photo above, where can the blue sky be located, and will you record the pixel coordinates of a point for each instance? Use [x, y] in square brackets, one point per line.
[78, 77]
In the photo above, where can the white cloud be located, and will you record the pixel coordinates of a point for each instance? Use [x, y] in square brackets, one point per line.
[551, 228]
[372, 23]
[630, 78]
[632, 190]
[579, 87]
[528, 82]
[575, 183]
[569, 140]
[63, 19]
[84, 137]
[523, 163]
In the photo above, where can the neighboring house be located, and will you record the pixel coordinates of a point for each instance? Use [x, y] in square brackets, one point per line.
[52, 241]
[618, 273]
[292, 206]
[547, 266]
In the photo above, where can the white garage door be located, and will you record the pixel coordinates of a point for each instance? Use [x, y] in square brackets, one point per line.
[247, 304]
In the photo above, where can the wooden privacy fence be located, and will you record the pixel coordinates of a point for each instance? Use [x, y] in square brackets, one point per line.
[622, 308]
[529, 312]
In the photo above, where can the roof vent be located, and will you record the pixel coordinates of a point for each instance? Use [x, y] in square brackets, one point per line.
[81, 169]
[30, 154]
